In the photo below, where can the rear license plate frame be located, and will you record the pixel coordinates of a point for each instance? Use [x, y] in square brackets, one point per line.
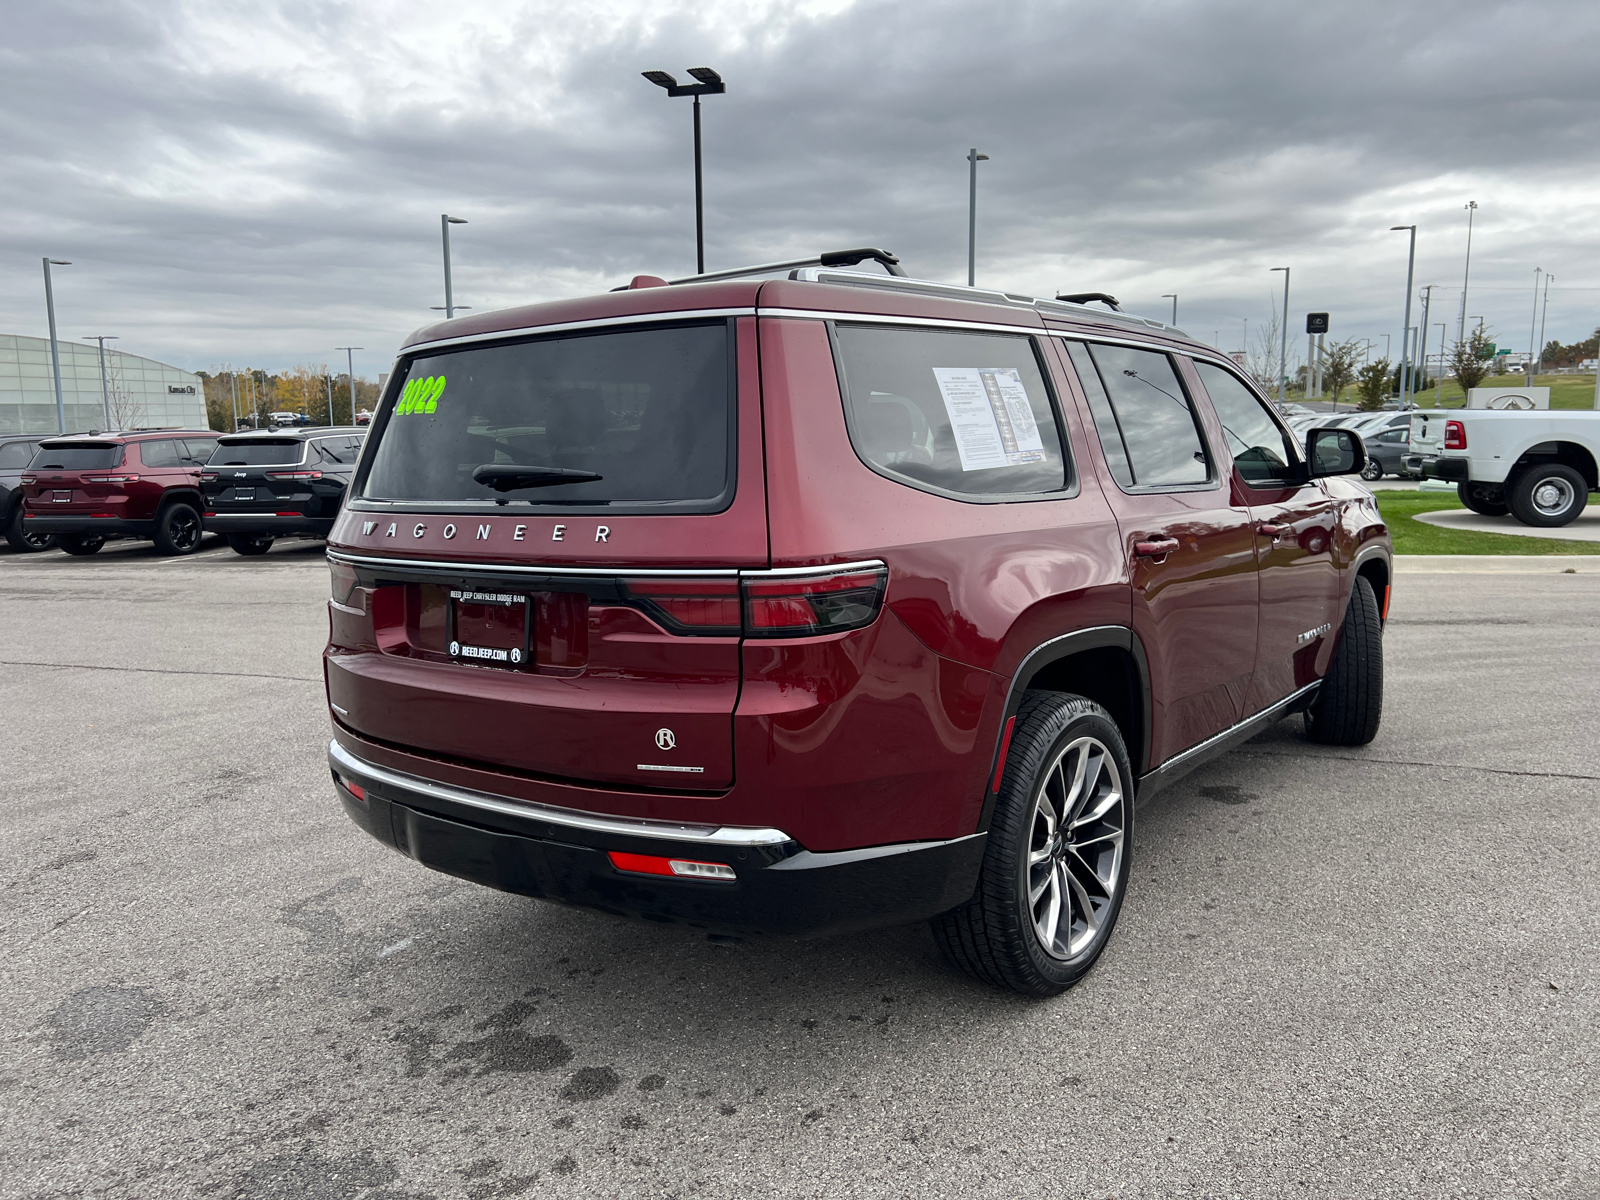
[244, 495]
[60, 495]
[510, 657]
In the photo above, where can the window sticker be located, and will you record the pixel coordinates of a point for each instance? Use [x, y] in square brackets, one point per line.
[990, 416]
[421, 396]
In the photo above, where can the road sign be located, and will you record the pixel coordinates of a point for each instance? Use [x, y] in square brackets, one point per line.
[1316, 322]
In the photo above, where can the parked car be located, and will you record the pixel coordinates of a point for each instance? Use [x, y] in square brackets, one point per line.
[363, 416]
[276, 483]
[1539, 466]
[15, 454]
[87, 490]
[1386, 453]
[831, 602]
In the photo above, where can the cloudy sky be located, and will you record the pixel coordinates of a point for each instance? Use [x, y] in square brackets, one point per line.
[260, 182]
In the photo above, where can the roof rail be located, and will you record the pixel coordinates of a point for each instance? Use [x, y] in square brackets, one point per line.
[830, 258]
[1089, 297]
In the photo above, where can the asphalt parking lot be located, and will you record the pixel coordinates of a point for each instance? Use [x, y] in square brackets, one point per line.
[1338, 973]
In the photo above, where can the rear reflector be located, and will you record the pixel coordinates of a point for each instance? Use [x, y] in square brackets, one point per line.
[354, 788]
[812, 605]
[289, 514]
[651, 864]
[1005, 748]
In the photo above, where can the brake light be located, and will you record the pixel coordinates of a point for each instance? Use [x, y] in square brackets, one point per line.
[29, 479]
[1455, 435]
[294, 474]
[683, 868]
[207, 476]
[708, 606]
[343, 580]
[814, 604]
[111, 479]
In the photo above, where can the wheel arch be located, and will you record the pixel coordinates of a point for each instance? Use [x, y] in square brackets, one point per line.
[1557, 450]
[1106, 664]
[1375, 567]
[187, 495]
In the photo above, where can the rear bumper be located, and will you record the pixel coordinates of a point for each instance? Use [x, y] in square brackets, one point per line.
[98, 526]
[222, 522]
[561, 855]
[1452, 470]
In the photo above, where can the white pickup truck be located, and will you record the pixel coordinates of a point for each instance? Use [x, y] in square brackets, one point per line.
[1537, 466]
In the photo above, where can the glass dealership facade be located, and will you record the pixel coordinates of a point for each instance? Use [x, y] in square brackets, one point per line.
[141, 392]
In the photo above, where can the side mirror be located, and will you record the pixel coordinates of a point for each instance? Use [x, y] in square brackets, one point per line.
[1334, 452]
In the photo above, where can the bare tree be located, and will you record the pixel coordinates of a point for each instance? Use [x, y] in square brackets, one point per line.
[1339, 366]
[125, 409]
[1469, 360]
[1261, 360]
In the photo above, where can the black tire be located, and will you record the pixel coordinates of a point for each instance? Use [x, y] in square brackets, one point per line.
[178, 529]
[1548, 495]
[1349, 704]
[81, 544]
[995, 936]
[1483, 499]
[1372, 471]
[250, 544]
[20, 539]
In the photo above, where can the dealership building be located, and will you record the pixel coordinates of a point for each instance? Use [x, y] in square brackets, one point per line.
[135, 392]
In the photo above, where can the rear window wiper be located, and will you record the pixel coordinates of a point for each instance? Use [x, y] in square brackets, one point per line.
[513, 477]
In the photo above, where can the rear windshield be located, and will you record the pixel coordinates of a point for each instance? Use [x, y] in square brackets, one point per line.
[257, 452]
[84, 457]
[647, 410]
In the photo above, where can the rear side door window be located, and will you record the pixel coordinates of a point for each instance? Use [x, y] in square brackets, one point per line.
[1264, 454]
[15, 455]
[198, 450]
[966, 415]
[1144, 418]
[163, 452]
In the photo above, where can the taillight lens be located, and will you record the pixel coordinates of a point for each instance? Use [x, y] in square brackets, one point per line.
[706, 607]
[294, 474]
[29, 479]
[208, 476]
[1455, 435]
[343, 580]
[111, 479]
[813, 604]
[682, 868]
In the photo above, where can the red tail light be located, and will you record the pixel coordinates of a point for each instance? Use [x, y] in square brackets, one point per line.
[111, 479]
[1455, 436]
[812, 604]
[682, 868]
[29, 479]
[294, 475]
[702, 606]
[343, 580]
[207, 476]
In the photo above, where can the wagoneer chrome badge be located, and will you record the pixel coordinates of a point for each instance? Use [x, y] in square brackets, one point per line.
[1312, 635]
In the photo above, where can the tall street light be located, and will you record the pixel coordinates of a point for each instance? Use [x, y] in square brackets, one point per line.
[1283, 345]
[973, 159]
[710, 85]
[1544, 308]
[1533, 322]
[450, 305]
[1405, 326]
[1173, 296]
[55, 353]
[350, 364]
[1466, 274]
[105, 386]
[1422, 352]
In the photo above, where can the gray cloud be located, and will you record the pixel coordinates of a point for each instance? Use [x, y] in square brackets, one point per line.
[261, 183]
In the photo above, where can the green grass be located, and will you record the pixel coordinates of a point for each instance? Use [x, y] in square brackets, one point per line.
[1566, 391]
[1418, 537]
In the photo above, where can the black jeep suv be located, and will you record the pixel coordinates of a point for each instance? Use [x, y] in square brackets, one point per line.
[271, 483]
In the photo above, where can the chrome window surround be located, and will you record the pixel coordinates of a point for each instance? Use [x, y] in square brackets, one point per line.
[345, 763]
[656, 318]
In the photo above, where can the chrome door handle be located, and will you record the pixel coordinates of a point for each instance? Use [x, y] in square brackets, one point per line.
[1158, 548]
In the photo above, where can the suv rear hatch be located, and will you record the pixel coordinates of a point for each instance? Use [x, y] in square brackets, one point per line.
[77, 478]
[581, 627]
[259, 475]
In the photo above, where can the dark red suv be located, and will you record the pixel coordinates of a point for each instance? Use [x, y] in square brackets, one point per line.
[87, 489]
[831, 601]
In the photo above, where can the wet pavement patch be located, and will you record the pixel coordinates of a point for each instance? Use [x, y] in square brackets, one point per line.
[311, 1176]
[591, 1083]
[101, 1020]
[513, 1050]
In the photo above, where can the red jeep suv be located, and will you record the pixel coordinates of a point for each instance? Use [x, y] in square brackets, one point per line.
[86, 489]
[831, 601]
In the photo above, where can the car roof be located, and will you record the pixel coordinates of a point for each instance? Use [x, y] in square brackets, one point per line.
[290, 433]
[56, 440]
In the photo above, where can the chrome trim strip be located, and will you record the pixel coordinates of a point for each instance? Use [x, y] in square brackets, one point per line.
[808, 314]
[495, 335]
[1179, 763]
[659, 767]
[426, 564]
[342, 761]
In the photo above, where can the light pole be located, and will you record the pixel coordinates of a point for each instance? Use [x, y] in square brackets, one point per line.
[1283, 344]
[1544, 308]
[710, 85]
[55, 352]
[1405, 326]
[1438, 400]
[1422, 352]
[1466, 274]
[1173, 296]
[350, 364]
[1533, 322]
[105, 387]
[973, 159]
[450, 305]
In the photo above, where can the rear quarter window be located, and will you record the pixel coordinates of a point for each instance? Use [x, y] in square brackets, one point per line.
[961, 414]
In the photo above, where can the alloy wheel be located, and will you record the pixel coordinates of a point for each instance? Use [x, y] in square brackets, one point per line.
[184, 529]
[1075, 848]
[1552, 497]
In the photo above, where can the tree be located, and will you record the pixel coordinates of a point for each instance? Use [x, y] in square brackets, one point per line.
[1339, 366]
[1261, 360]
[1469, 360]
[126, 410]
[1372, 385]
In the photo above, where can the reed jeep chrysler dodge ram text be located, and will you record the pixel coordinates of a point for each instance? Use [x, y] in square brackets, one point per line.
[831, 601]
